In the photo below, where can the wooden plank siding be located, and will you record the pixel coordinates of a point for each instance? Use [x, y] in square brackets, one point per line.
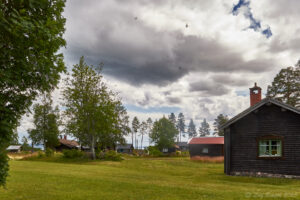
[241, 147]
[213, 150]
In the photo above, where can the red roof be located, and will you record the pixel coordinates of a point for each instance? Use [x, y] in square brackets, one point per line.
[207, 140]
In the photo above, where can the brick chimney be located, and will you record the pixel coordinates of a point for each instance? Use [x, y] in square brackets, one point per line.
[255, 95]
[65, 137]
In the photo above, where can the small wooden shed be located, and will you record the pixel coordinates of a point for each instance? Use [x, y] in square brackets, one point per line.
[124, 148]
[206, 146]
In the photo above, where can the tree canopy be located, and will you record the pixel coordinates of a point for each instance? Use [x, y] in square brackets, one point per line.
[204, 129]
[94, 113]
[192, 129]
[286, 86]
[31, 33]
[219, 121]
[46, 122]
[163, 133]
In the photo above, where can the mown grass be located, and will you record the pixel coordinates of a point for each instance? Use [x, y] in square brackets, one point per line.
[138, 178]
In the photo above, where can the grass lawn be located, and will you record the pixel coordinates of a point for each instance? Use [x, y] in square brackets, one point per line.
[138, 179]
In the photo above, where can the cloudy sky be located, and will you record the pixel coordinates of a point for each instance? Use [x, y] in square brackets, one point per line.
[196, 57]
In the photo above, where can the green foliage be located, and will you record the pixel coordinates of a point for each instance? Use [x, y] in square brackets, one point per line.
[163, 133]
[204, 129]
[110, 155]
[41, 154]
[95, 114]
[135, 128]
[154, 151]
[46, 121]
[49, 152]
[181, 125]
[219, 121]
[31, 33]
[286, 86]
[73, 153]
[192, 129]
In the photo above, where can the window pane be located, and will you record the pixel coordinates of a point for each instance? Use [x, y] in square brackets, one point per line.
[269, 148]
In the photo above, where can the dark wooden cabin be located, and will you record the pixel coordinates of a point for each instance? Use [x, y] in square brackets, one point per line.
[264, 139]
[125, 148]
[183, 146]
[206, 146]
[67, 144]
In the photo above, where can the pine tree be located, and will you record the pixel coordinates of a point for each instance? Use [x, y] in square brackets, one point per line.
[219, 121]
[143, 130]
[181, 125]
[135, 128]
[149, 127]
[286, 86]
[172, 118]
[192, 129]
[204, 129]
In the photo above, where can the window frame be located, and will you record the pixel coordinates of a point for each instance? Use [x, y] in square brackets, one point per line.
[206, 150]
[270, 137]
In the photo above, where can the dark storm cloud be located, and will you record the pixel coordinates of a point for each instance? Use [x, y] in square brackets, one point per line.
[208, 88]
[227, 79]
[135, 52]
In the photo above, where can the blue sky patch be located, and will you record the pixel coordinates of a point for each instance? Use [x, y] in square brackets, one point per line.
[255, 24]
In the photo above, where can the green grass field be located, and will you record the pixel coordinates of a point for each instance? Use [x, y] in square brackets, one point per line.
[138, 179]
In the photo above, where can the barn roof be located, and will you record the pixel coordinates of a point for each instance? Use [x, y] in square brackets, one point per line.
[14, 147]
[182, 144]
[258, 105]
[69, 143]
[207, 140]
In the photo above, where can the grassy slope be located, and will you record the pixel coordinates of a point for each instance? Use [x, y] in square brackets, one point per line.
[166, 178]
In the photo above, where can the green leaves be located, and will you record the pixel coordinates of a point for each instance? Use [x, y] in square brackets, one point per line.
[30, 36]
[163, 133]
[95, 116]
[286, 86]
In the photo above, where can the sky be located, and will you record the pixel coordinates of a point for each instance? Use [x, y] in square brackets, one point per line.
[195, 57]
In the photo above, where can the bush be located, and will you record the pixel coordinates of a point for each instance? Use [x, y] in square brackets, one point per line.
[49, 152]
[73, 153]
[154, 151]
[178, 153]
[41, 154]
[110, 155]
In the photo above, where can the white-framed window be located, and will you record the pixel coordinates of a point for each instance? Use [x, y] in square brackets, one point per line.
[270, 148]
[205, 150]
[165, 150]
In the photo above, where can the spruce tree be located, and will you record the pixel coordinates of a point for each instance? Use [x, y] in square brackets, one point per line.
[192, 129]
[204, 129]
[219, 121]
[181, 125]
[286, 86]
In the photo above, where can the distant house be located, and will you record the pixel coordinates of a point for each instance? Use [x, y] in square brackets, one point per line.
[206, 146]
[67, 144]
[14, 148]
[183, 146]
[263, 139]
[125, 148]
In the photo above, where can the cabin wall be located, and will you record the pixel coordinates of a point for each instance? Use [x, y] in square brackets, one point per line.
[243, 155]
[213, 149]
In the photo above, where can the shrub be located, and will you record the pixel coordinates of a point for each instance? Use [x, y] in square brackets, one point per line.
[40, 154]
[110, 155]
[178, 153]
[73, 153]
[154, 151]
[49, 152]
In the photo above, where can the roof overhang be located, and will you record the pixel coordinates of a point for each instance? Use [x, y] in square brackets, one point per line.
[258, 105]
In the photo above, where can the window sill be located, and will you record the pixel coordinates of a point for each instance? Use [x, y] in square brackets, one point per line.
[270, 157]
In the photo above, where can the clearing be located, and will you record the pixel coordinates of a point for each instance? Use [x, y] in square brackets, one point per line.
[138, 179]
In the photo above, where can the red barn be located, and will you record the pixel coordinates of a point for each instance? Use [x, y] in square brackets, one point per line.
[207, 146]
